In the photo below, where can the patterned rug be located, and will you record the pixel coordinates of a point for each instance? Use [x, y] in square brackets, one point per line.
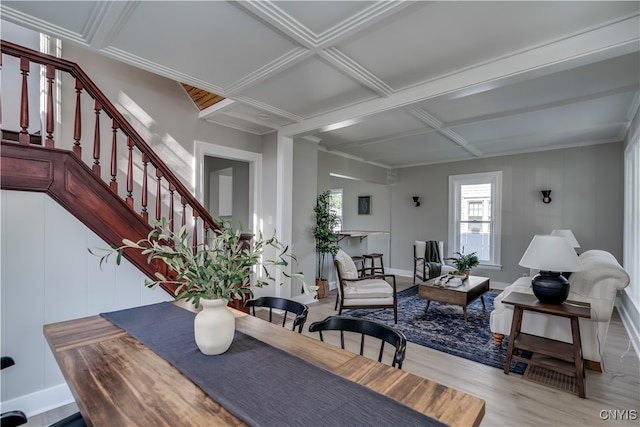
[443, 327]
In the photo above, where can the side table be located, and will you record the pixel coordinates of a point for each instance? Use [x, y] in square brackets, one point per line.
[546, 346]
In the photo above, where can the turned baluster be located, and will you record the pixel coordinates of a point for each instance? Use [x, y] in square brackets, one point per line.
[114, 158]
[77, 127]
[145, 189]
[206, 231]
[130, 144]
[184, 210]
[50, 76]
[96, 141]
[172, 189]
[158, 194]
[0, 96]
[195, 231]
[24, 102]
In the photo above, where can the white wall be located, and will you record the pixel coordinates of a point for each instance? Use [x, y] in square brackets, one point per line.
[49, 276]
[305, 172]
[240, 189]
[158, 107]
[629, 304]
[587, 195]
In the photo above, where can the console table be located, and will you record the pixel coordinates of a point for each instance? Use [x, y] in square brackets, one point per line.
[569, 352]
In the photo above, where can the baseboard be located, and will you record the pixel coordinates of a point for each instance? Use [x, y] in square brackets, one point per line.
[40, 401]
[629, 325]
[398, 272]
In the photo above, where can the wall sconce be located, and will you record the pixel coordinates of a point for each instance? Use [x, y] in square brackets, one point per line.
[545, 196]
[416, 201]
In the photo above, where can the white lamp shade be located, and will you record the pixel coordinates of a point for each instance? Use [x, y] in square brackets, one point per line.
[568, 234]
[551, 253]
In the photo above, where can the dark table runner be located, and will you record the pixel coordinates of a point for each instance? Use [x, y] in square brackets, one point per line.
[258, 383]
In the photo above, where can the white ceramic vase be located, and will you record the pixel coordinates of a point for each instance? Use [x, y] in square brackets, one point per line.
[214, 327]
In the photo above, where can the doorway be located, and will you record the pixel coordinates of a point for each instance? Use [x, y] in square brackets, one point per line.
[229, 177]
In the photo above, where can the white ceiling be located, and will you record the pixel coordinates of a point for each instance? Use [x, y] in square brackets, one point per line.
[390, 82]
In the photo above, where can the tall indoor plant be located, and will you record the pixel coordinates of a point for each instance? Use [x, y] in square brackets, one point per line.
[211, 274]
[326, 242]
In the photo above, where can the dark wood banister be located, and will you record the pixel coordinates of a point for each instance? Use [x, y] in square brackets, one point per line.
[91, 88]
[20, 156]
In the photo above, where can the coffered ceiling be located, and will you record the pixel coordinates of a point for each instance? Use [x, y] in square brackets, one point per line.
[396, 83]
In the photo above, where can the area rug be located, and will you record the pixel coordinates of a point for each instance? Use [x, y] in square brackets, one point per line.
[443, 327]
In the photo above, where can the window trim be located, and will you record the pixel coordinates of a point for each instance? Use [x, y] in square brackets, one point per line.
[495, 212]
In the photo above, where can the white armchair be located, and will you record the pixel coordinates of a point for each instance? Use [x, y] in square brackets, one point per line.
[364, 292]
[422, 260]
[598, 283]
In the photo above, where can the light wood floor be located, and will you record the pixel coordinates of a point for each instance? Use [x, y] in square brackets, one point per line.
[510, 399]
[514, 401]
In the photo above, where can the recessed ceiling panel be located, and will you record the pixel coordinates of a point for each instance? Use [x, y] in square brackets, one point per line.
[414, 149]
[309, 88]
[192, 38]
[598, 79]
[374, 128]
[318, 16]
[57, 13]
[584, 115]
[432, 39]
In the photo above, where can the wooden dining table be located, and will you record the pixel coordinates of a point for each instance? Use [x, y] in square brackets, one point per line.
[114, 377]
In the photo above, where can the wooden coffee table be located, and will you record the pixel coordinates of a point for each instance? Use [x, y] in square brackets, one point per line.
[471, 288]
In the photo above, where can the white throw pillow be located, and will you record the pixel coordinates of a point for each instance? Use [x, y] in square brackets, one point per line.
[347, 267]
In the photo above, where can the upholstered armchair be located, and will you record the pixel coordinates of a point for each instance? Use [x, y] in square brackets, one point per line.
[424, 263]
[377, 291]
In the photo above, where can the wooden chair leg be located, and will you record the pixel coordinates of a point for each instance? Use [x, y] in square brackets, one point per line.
[498, 338]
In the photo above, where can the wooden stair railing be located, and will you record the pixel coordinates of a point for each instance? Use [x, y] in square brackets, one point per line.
[48, 162]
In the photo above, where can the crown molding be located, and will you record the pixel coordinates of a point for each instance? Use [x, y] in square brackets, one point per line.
[39, 25]
[285, 61]
[357, 71]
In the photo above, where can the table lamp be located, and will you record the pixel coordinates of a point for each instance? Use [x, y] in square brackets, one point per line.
[568, 234]
[551, 255]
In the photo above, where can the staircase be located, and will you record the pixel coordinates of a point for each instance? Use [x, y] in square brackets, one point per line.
[122, 201]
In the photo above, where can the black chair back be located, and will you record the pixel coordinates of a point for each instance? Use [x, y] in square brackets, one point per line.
[300, 310]
[364, 327]
[17, 418]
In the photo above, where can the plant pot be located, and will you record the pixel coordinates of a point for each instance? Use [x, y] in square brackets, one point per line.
[323, 288]
[214, 327]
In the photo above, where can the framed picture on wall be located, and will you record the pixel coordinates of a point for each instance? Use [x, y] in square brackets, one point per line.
[364, 205]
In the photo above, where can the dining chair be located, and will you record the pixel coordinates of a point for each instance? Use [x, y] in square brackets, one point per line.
[18, 418]
[300, 310]
[386, 334]
[371, 291]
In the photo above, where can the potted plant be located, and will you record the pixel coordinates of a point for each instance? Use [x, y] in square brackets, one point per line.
[209, 275]
[464, 263]
[326, 242]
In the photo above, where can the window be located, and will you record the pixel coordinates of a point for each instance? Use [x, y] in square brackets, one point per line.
[474, 215]
[336, 206]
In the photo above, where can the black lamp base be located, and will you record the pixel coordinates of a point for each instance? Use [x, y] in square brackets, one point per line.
[550, 287]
